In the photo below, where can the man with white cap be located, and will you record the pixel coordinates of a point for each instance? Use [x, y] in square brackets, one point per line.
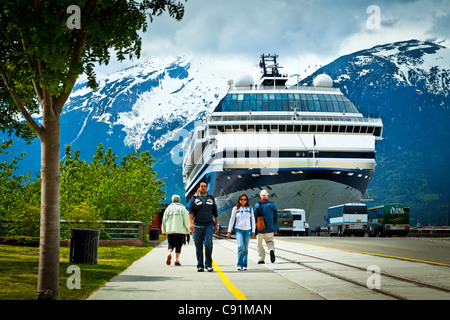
[268, 211]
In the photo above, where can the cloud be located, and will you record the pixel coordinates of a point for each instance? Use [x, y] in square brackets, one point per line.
[310, 31]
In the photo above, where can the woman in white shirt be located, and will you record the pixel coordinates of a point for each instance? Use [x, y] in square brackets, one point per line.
[243, 221]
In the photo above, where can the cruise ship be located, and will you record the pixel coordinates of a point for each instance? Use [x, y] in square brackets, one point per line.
[309, 147]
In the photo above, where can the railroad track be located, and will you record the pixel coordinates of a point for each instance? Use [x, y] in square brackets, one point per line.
[393, 286]
[386, 275]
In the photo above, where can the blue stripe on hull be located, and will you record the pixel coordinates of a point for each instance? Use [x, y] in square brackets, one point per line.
[237, 180]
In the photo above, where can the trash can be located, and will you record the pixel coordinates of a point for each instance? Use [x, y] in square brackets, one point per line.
[153, 234]
[84, 246]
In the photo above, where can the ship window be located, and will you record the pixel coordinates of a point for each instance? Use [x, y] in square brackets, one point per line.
[349, 129]
[320, 128]
[334, 128]
[370, 129]
[305, 128]
[356, 129]
[311, 102]
[363, 129]
[272, 105]
[378, 131]
[278, 105]
[226, 105]
[238, 106]
[327, 128]
[317, 105]
[335, 106]
[312, 128]
[259, 105]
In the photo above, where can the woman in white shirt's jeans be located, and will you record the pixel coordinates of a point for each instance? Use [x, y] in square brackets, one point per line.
[243, 221]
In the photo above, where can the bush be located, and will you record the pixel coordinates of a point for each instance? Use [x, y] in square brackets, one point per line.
[83, 216]
[26, 221]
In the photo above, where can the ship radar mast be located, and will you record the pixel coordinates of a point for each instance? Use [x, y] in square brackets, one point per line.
[271, 76]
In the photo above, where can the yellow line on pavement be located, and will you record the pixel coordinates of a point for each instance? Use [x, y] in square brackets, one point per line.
[375, 254]
[238, 294]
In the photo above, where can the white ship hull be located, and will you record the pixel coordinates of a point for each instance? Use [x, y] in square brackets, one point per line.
[314, 192]
[309, 147]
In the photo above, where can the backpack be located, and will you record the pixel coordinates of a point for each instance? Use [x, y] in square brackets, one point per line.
[260, 225]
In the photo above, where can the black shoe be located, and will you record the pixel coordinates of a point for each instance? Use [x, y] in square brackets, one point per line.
[272, 256]
[210, 269]
[200, 270]
[261, 262]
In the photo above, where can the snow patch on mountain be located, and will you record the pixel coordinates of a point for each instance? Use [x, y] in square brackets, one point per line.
[150, 96]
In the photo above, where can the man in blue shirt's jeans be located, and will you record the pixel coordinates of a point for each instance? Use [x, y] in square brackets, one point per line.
[202, 215]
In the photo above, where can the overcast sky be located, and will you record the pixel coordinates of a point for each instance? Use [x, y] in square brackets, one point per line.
[302, 32]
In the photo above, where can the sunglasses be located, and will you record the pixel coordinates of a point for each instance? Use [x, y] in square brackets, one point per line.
[243, 199]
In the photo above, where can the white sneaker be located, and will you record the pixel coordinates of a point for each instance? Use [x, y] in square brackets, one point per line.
[239, 268]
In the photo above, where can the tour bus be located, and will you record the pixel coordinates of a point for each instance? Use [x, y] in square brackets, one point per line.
[347, 219]
[388, 220]
[291, 221]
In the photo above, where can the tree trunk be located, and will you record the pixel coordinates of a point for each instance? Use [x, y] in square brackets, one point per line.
[48, 277]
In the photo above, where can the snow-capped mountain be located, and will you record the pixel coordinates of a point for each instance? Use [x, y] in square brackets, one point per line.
[145, 99]
[407, 84]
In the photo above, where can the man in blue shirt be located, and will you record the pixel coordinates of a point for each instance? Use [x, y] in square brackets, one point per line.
[269, 212]
[204, 220]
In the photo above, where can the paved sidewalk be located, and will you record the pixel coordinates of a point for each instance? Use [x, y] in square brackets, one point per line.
[151, 279]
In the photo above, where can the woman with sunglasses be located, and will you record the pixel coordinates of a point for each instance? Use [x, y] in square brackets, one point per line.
[243, 222]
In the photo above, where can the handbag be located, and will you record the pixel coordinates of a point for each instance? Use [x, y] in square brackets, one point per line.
[260, 224]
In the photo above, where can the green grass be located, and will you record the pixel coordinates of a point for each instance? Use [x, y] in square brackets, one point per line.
[19, 270]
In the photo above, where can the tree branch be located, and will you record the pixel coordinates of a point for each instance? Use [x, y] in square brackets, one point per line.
[78, 44]
[7, 80]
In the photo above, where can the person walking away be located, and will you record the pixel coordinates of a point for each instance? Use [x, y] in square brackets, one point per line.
[269, 212]
[175, 224]
[204, 220]
[243, 221]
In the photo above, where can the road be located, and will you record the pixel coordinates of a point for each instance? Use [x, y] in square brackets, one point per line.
[426, 249]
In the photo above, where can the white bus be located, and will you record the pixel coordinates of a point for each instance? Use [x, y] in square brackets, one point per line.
[292, 221]
[299, 217]
[347, 219]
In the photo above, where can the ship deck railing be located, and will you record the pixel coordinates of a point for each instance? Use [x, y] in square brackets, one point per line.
[291, 118]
